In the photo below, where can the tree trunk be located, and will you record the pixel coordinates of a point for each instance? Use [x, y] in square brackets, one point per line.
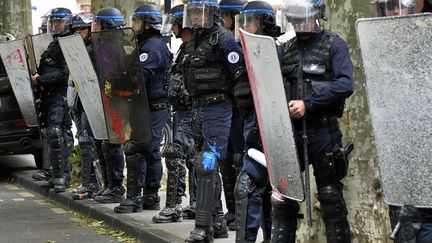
[367, 212]
[15, 17]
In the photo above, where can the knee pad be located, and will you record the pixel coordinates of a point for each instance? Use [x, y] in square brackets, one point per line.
[174, 151]
[55, 136]
[244, 186]
[131, 148]
[132, 161]
[332, 203]
[205, 163]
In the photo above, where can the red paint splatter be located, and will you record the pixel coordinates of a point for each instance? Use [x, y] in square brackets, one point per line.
[115, 119]
[16, 56]
[283, 184]
[20, 58]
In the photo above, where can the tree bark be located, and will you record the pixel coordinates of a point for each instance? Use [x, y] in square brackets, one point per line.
[367, 212]
[15, 17]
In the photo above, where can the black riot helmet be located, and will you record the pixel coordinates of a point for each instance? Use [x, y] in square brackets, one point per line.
[108, 18]
[175, 15]
[60, 20]
[148, 13]
[258, 17]
[82, 20]
[229, 9]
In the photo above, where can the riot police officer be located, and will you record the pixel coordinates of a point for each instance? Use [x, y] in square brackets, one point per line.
[252, 190]
[53, 75]
[180, 152]
[229, 9]
[113, 192]
[212, 57]
[81, 24]
[143, 161]
[231, 167]
[318, 77]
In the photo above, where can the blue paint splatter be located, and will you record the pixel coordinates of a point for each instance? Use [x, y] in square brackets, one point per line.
[214, 150]
[209, 161]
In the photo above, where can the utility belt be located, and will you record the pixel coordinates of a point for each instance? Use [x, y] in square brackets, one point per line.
[158, 106]
[208, 100]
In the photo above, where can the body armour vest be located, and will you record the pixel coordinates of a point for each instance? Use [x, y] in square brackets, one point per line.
[203, 73]
[315, 64]
[311, 70]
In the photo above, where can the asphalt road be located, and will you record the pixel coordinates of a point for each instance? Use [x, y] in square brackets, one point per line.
[28, 217]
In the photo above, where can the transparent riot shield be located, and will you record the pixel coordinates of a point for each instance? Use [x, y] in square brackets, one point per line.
[13, 54]
[123, 92]
[40, 44]
[397, 58]
[274, 120]
[35, 46]
[86, 82]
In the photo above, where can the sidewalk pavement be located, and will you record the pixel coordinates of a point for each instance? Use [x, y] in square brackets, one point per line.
[138, 225]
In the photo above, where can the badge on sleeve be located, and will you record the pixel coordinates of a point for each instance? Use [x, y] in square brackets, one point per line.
[143, 57]
[233, 57]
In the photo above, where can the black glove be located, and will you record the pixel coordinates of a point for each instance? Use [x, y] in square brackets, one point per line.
[176, 92]
[174, 86]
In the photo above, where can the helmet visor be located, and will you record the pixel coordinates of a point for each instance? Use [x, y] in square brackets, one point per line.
[302, 14]
[395, 7]
[199, 14]
[168, 21]
[96, 25]
[251, 22]
[58, 25]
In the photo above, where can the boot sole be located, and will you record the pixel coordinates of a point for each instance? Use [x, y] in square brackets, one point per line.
[221, 236]
[127, 211]
[163, 221]
[102, 201]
